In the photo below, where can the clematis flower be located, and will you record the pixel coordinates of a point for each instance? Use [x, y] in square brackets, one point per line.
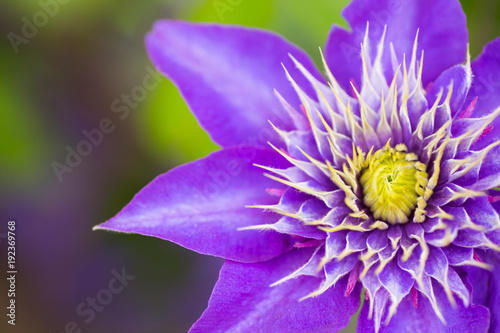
[372, 181]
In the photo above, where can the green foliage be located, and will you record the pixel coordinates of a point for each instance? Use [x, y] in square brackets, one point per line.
[169, 129]
[23, 139]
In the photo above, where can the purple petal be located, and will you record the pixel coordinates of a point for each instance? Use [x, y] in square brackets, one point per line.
[487, 287]
[442, 27]
[200, 205]
[461, 78]
[342, 53]
[243, 301]
[336, 269]
[482, 213]
[486, 83]
[396, 281]
[480, 280]
[303, 139]
[377, 240]
[470, 238]
[422, 319]
[227, 75]
[486, 86]
[291, 226]
[437, 268]
[457, 255]
[489, 174]
[335, 243]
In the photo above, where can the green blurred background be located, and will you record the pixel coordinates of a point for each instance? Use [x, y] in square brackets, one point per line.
[62, 81]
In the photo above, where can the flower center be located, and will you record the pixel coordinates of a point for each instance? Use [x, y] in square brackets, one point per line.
[393, 183]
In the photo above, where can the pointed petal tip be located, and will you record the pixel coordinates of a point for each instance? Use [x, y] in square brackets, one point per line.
[177, 207]
[108, 226]
[104, 226]
[97, 227]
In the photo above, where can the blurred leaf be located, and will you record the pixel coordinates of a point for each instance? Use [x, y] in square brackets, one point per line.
[483, 23]
[169, 129]
[23, 142]
[255, 13]
[307, 23]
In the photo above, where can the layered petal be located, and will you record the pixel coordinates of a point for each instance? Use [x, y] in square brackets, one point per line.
[486, 87]
[243, 301]
[442, 30]
[201, 205]
[227, 75]
[486, 83]
[422, 318]
[487, 287]
[457, 78]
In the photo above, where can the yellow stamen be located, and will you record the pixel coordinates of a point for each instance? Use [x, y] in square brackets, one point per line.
[393, 184]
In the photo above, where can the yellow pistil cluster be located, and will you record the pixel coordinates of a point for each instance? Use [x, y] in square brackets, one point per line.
[393, 183]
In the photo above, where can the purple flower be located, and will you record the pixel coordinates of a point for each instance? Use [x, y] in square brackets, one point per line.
[377, 179]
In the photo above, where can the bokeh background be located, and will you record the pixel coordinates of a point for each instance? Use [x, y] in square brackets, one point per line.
[62, 81]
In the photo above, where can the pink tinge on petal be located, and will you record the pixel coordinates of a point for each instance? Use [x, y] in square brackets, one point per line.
[303, 109]
[486, 131]
[354, 88]
[493, 199]
[429, 86]
[468, 111]
[298, 119]
[367, 296]
[309, 243]
[414, 297]
[284, 151]
[353, 279]
[277, 192]
[476, 257]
